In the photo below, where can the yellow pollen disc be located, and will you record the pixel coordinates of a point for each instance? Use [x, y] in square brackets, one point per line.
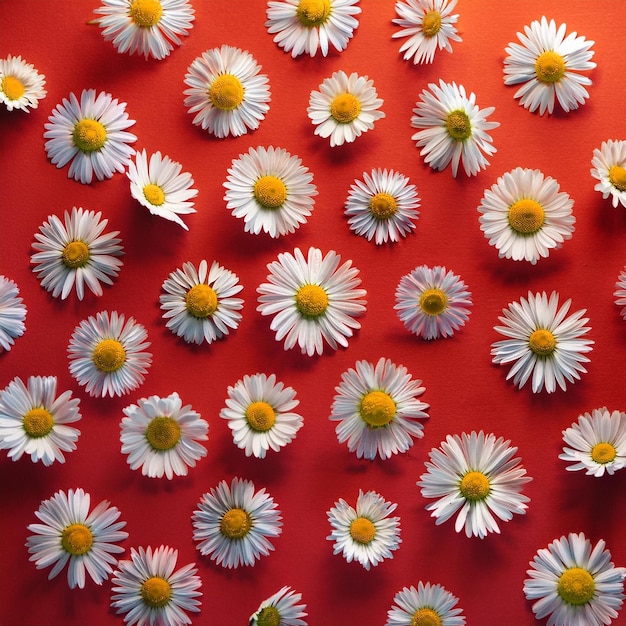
[526, 216]
[89, 135]
[201, 301]
[156, 592]
[549, 67]
[154, 194]
[383, 206]
[311, 301]
[75, 254]
[345, 108]
[313, 12]
[431, 23]
[226, 92]
[362, 530]
[617, 177]
[475, 486]
[76, 539]
[268, 616]
[542, 342]
[145, 13]
[163, 433]
[235, 524]
[458, 125]
[377, 409]
[426, 617]
[38, 422]
[270, 192]
[109, 355]
[576, 586]
[603, 453]
[12, 87]
[433, 301]
[260, 416]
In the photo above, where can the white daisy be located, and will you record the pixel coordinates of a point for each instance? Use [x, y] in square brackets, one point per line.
[271, 190]
[432, 302]
[260, 414]
[542, 341]
[453, 129]
[281, 609]
[427, 605]
[233, 523]
[21, 85]
[575, 584]
[609, 167]
[34, 420]
[70, 534]
[619, 293]
[312, 299]
[382, 206]
[106, 354]
[91, 133]
[12, 313]
[226, 92]
[344, 107]
[378, 410]
[306, 26]
[548, 64]
[161, 436]
[477, 477]
[148, 27]
[525, 216]
[199, 304]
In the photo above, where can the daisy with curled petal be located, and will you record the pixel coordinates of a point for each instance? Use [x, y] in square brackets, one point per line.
[21, 85]
[12, 313]
[619, 293]
[609, 167]
[426, 605]
[281, 609]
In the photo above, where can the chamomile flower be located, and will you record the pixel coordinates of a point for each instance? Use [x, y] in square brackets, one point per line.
[198, 303]
[306, 26]
[476, 477]
[549, 64]
[541, 341]
[428, 604]
[378, 410]
[575, 584]
[432, 302]
[226, 92]
[619, 293]
[72, 535]
[312, 299]
[21, 85]
[524, 215]
[609, 167]
[148, 27]
[344, 107]
[233, 524]
[12, 313]
[106, 354]
[281, 609]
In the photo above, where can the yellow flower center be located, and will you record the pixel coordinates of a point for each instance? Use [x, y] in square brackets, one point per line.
[156, 592]
[154, 194]
[109, 355]
[431, 23]
[268, 616]
[311, 301]
[458, 125]
[426, 617]
[12, 87]
[549, 67]
[76, 539]
[576, 586]
[475, 486]
[270, 192]
[383, 206]
[226, 92]
[260, 416]
[362, 530]
[433, 301]
[38, 422]
[617, 177]
[603, 453]
[345, 108]
[377, 409]
[75, 254]
[201, 301]
[89, 135]
[163, 433]
[542, 342]
[526, 216]
[235, 524]
[145, 13]
[313, 12]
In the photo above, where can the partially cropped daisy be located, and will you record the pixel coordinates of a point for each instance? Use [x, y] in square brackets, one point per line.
[453, 129]
[428, 605]
[609, 167]
[106, 354]
[312, 299]
[432, 302]
[234, 524]
[541, 341]
[344, 107]
[524, 215]
[619, 293]
[477, 478]
[12, 313]
[281, 609]
[548, 63]
[382, 206]
[378, 410]
[306, 26]
[226, 92]
[69, 534]
[575, 584]
[199, 303]
[21, 85]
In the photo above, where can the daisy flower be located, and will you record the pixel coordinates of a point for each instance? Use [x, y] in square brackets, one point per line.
[70, 534]
[12, 313]
[378, 410]
[575, 584]
[21, 85]
[609, 167]
[366, 533]
[260, 414]
[233, 523]
[306, 26]
[281, 609]
[525, 216]
[149, 590]
[432, 302]
[106, 354]
[619, 293]
[477, 477]
[271, 190]
[161, 436]
[147, 27]
[34, 420]
[382, 206]
[428, 604]
[226, 92]
[344, 107]
[312, 299]
[198, 302]
[548, 64]
[542, 341]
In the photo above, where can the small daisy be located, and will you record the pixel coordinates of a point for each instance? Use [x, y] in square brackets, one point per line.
[427, 605]
[281, 609]
[312, 299]
[34, 420]
[543, 342]
[306, 26]
[91, 133]
[344, 107]
[378, 410]
[233, 524]
[12, 313]
[575, 584]
[21, 85]
[271, 190]
[477, 477]
[226, 92]
[609, 167]
[106, 354]
[548, 64]
[199, 304]
[432, 302]
[619, 293]
[70, 534]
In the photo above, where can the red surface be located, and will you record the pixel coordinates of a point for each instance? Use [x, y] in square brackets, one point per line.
[464, 389]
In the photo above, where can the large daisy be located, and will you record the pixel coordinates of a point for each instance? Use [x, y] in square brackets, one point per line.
[21, 85]
[280, 609]
[609, 167]
[312, 299]
[541, 341]
[619, 293]
[12, 313]
[428, 605]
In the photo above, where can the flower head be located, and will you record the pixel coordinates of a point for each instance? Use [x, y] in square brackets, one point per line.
[281, 609]
[609, 167]
[619, 293]
[427, 605]
[21, 85]
[12, 313]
